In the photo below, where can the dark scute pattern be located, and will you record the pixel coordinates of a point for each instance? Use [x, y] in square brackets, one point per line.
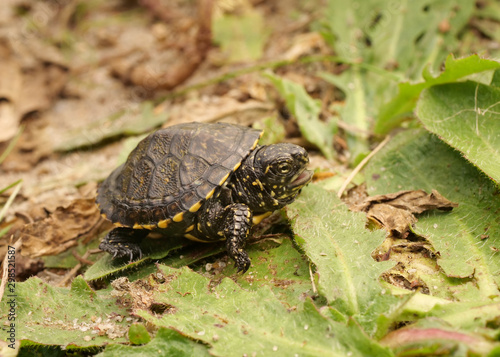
[159, 146]
[203, 189]
[173, 208]
[188, 199]
[166, 179]
[141, 178]
[218, 143]
[180, 143]
[216, 173]
[192, 169]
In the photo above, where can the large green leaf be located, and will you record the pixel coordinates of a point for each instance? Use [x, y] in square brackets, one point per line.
[393, 112]
[467, 239]
[337, 243]
[466, 116]
[236, 322]
[78, 317]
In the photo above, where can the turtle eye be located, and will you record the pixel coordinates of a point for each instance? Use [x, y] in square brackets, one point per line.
[284, 168]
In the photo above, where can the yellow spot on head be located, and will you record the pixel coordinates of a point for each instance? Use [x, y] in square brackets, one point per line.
[178, 217]
[149, 226]
[257, 182]
[195, 207]
[164, 223]
[190, 228]
[137, 226]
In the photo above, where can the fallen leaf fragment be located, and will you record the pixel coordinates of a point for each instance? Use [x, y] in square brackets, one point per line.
[61, 229]
[396, 211]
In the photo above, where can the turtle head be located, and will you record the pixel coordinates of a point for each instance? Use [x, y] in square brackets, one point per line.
[281, 168]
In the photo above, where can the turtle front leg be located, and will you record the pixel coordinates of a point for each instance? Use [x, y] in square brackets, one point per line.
[237, 224]
[122, 241]
[232, 223]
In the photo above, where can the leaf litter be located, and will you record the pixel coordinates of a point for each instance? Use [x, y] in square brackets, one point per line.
[395, 212]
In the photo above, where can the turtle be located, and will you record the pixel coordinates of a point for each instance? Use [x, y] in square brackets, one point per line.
[204, 181]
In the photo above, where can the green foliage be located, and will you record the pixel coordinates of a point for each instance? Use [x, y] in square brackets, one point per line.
[306, 110]
[465, 116]
[166, 343]
[385, 42]
[337, 243]
[466, 238]
[234, 321]
[138, 334]
[241, 36]
[401, 106]
[72, 316]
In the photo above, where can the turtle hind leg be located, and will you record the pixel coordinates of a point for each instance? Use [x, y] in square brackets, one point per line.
[122, 242]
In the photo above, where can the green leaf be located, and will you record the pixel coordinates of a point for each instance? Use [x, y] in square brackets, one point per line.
[242, 37]
[403, 35]
[166, 343]
[355, 83]
[138, 335]
[306, 110]
[467, 239]
[385, 42]
[72, 316]
[282, 268]
[466, 116]
[337, 243]
[234, 321]
[398, 108]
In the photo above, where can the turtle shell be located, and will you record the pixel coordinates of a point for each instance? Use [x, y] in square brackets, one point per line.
[171, 172]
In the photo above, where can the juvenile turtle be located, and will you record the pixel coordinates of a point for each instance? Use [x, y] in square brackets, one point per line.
[206, 182]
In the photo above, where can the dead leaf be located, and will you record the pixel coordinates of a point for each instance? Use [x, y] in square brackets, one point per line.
[306, 44]
[10, 86]
[213, 109]
[61, 229]
[395, 212]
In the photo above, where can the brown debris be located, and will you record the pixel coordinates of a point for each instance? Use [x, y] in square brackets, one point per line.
[395, 212]
[61, 229]
[29, 82]
[193, 54]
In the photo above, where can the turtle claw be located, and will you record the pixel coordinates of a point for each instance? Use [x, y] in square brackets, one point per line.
[243, 267]
[123, 242]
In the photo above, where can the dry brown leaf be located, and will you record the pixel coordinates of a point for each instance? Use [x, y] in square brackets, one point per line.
[61, 229]
[213, 109]
[10, 85]
[395, 212]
